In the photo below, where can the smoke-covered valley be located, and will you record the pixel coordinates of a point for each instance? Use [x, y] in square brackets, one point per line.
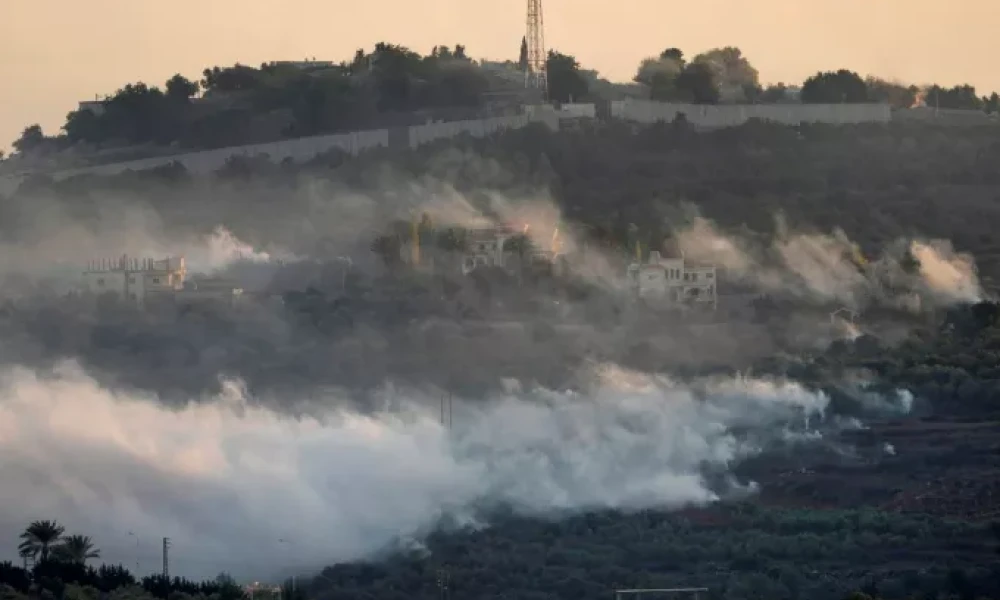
[226, 480]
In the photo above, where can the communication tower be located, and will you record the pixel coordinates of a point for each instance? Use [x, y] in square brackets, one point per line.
[536, 75]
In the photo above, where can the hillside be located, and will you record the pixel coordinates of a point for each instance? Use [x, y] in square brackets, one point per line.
[394, 86]
[898, 508]
[868, 492]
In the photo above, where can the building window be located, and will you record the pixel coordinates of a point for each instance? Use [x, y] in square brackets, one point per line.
[100, 282]
[156, 280]
[708, 275]
[131, 279]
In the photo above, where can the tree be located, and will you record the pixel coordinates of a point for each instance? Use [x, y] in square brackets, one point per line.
[566, 82]
[522, 61]
[774, 94]
[960, 97]
[181, 88]
[84, 125]
[137, 113]
[32, 137]
[835, 87]
[231, 79]
[674, 54]
[660, 74]
[696, 83]
[895, 95]
[76, 549]
[40, 537]
[736, 79]
[992, 104]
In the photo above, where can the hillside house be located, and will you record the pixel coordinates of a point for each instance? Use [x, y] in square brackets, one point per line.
[674, 283]
[135, 279]
[145, 281]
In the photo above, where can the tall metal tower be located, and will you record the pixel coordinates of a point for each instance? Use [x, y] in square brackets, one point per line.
[166, 558]
[536, 75]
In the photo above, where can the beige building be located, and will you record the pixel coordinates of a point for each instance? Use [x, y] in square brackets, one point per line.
[672, 282]
[135, 279]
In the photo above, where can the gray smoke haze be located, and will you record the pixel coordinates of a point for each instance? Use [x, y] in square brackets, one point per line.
[226, 479]
[830, 268]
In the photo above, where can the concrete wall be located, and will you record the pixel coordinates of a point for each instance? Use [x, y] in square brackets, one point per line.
[641, 111]
[420, 135]
[714, 116]
[304, 149]
[208, 161]
[946, 116]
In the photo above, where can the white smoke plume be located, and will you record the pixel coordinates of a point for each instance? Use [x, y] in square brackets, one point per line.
[949, 275]
[830, 268]
[221, 249]
[226, 479]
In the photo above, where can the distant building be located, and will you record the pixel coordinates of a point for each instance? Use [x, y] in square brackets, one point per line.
[135, 279]
[209, 289]
[485, 248]
[93, 106]
[672, 282]
[305, 64]
[145, 281]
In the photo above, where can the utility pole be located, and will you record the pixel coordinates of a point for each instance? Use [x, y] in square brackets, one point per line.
[166, 559]
[446, 410]
[443, 581]
[289, 543]
[136, 552]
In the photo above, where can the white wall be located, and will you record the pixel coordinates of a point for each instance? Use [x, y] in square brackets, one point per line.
[712, 116]
[425, 134]
[304, 149]
[642, 111]
[208, 161]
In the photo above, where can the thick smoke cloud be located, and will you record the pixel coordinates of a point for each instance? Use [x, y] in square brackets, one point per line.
[830, 268]
[226, 479]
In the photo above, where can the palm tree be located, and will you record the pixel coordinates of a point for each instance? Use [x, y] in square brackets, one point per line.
[76, 549]
[39, 537]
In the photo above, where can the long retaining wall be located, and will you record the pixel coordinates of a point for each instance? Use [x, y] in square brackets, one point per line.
[304, 149]
[641, 111]
[714, 116]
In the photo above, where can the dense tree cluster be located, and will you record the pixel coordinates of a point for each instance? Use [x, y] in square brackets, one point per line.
[393, 85]
[737, 552]
[55, 567]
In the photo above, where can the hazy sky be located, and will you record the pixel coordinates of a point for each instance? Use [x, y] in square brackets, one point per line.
[54, 53]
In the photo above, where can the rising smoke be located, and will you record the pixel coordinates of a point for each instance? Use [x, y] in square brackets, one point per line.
[226, 479]
[830, 268]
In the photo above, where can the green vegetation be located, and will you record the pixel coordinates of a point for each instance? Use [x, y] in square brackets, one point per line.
[394, 86]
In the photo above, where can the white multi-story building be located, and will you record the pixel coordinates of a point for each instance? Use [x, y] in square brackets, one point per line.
[135, 279]
[144, 280]
[672, 282]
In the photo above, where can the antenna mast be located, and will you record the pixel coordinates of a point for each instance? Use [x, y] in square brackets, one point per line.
[536, 76]
[166, 558]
